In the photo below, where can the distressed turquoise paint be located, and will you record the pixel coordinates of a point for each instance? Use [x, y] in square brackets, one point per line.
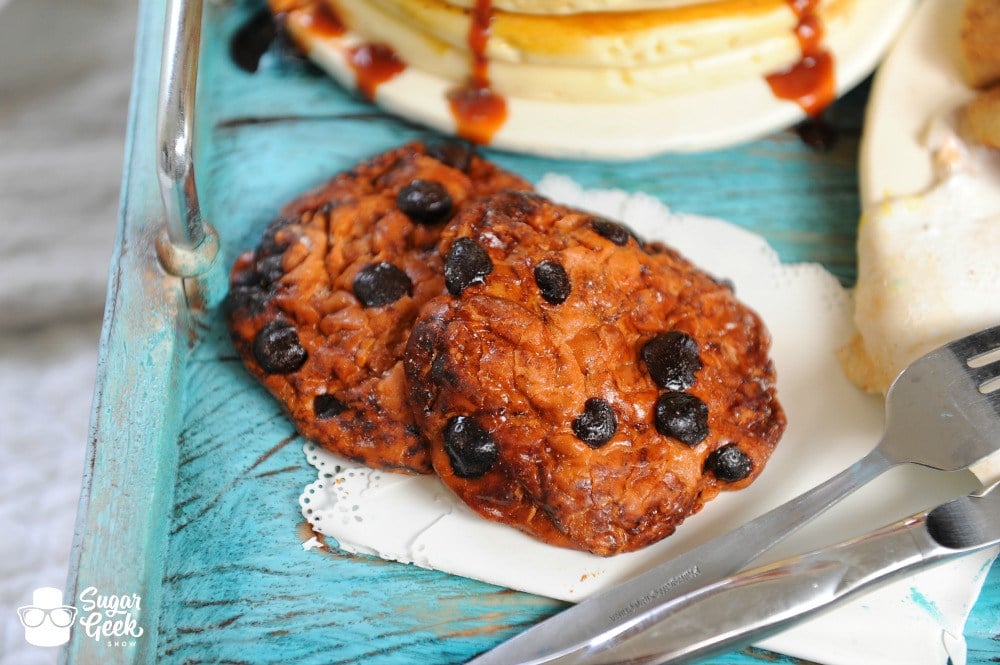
[926, 604]
[191, 497]
[131, 463]
[982, 630]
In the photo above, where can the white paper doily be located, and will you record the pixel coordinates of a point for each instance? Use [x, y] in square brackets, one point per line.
[830, 425]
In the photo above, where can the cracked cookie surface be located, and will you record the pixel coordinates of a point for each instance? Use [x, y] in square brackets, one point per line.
[581, 385]
[320, 312]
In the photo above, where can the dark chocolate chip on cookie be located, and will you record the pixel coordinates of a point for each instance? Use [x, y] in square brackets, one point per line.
[320, 312]
[581, 389]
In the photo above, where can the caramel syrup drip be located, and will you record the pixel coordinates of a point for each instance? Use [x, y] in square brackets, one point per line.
[321, 20]
[373, 65]
[479, 37]
[478, 111]
[810, 82]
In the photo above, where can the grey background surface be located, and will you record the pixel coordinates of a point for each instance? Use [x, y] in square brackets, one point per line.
[65, 70]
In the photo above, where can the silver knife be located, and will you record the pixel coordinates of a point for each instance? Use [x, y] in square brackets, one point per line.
[751, 605]
[617, 612]
[755, 604]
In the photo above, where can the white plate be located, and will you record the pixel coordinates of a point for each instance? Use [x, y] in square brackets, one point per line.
[703, 120]
[920, 80]
[830, 425]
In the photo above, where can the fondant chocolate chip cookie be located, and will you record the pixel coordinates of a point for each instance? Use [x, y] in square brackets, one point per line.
[581, 385]
[321, 310]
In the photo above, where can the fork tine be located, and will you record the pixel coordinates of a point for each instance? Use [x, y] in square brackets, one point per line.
[976, 354]
[984, 376]
[976, 344]
[983, 359]
[991, 388]
[979, 353]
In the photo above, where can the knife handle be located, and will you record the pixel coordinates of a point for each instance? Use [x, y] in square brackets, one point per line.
[750, 606]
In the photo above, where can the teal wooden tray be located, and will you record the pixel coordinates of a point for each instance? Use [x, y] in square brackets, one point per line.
[190, 497]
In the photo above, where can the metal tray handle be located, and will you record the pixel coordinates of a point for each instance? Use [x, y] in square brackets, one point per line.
[188, 245]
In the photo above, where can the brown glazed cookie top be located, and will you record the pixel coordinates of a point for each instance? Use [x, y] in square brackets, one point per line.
[321, 310]
[581, 385]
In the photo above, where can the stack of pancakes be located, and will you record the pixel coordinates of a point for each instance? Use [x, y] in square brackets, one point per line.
[593, 50]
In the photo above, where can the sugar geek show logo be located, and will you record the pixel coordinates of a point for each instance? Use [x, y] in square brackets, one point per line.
[48, 621]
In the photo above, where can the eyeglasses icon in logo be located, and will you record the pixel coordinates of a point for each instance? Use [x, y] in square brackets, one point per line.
[47, 620]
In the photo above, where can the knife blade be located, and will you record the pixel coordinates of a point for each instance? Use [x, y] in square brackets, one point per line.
[618, 611]
[752, 605]
[758, 603]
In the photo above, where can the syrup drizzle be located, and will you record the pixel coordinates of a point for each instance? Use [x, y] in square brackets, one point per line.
[300, 20]
[478, 111]
[810, 82]
[373, 64]
[479, 37]
[320, 19]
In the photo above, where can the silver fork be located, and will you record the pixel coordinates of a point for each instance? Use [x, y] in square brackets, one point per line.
[942, 412]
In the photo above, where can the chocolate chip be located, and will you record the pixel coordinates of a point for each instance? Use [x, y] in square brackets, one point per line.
[729, 463]
[552, 281]
[672, 359]
[597, 424]
[681, 416]
[613, 231]
[249, 44]
[381, 284]
[467, 263]
[269, 269]
[327, 406]
[277, 348]
[425, 201]
[471, 450]
[456, 155]
[252, 298]
[249, 290]
[268, 242]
